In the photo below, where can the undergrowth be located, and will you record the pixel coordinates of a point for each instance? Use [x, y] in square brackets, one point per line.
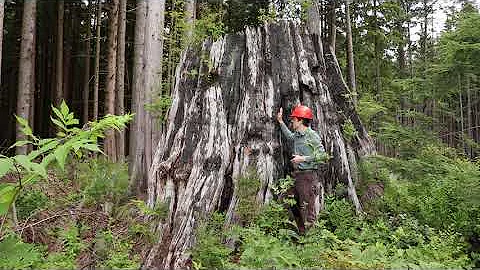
[427, 217]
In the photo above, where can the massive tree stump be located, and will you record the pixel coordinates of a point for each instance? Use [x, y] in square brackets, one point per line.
[222, 123]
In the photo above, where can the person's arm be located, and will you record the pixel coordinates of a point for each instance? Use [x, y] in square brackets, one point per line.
[286, 132]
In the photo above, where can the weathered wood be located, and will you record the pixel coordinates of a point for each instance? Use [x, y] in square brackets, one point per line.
[222, 125]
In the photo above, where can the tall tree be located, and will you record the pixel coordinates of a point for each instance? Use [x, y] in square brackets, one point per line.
[2, 8]
[350, 56]
[137, 167]
[26, 74]
[86, 78]
[109, 143]
[333, 24]
[120, 84]
[153, 73]
[96, 83]
[59, 53]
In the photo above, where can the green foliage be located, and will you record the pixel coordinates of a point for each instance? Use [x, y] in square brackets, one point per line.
[15, 254]
[247, 189]
[349, 131]
[209, 251]
[440, 188]
[340, 216]
[261, 250]
[239, 14]
[159, 107]
[102, 181]
[29, 201]
[72, 245]
[339, 239]
[33, 167]
[209, 23]
[160, 210]
[115, 252]
[406, 140]
[274, 220]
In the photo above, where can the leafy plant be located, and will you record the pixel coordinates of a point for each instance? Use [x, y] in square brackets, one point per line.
[70, 139]
[15, 254]
[29, 201]
[247, 189]
[349, 130]
[102, 181]
[209, 251]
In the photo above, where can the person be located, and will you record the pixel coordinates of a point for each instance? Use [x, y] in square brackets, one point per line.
[307, 148]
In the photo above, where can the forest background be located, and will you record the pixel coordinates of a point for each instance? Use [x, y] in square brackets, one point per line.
[64, 205]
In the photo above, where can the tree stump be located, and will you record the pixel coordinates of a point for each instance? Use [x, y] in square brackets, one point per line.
[222, 123]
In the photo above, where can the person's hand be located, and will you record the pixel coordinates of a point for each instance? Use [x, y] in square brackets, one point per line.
[297, 159]
[280, 115]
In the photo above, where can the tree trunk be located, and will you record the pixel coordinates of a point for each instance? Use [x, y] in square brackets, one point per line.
[377, 51]
[333, 24]
[26, 75]
[59, 55]
[153, 73]
[469, 117]
[190, 15]
[350, 58]
[86, 78]
[222, 125]
[109, 144]
[120, 84]
[136, 151]
[2, 5]
[97, 60]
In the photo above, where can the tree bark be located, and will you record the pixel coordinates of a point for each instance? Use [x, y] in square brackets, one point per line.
[190, 15]
[2, 8]
[97, 60]
[26, 75]
[333, 24]
[222, 125]
[86, 78]
[109, 143]
[136, 151]
[59, 55]
[350, 57]
[120, 84]
[153, 73]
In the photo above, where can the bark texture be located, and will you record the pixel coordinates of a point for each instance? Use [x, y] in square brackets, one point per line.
[110, 146]
[26, 73]
[222, 125]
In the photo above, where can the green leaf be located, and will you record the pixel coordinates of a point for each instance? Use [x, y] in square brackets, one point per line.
[45, 141]
[6, 165]
[7, 194]
[38, 169]
[34, 154]
[70, 117]
[73, 122]
[57, 113]
[24, 161]
[47, 160]
[20, 143]
[21, 120]
[58, 123]
[61, 154]
[64, 109]
[92, 147]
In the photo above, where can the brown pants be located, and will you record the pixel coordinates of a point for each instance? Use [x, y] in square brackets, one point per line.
[305, 193]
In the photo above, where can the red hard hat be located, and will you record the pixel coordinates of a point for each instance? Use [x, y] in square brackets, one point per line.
[301, 111]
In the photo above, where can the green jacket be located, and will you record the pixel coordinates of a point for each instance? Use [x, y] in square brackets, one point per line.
[306, 143]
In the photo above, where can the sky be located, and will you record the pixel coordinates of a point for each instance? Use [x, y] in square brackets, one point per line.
[439, 16]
